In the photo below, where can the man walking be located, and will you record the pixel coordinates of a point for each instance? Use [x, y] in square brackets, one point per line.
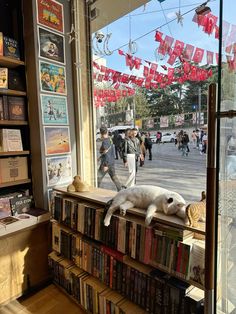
[107, 159]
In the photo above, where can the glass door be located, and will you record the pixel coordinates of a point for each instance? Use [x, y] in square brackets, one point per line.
[226, 253]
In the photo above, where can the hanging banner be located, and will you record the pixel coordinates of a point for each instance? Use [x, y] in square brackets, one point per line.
[164, 122]
[179, 120]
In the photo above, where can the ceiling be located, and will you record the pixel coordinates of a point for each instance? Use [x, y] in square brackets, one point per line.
[111, 10]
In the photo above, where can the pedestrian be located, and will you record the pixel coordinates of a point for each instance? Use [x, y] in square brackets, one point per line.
[131, 154]
[148, 145]
[198, 138]
[204, 144]
[158, 136]
[185, 141]
[179, 139]
[107, 159]
[117, 139]
[194, 138]
[142, 149]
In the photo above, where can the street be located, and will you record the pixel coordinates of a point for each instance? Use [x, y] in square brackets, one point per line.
[168, 169]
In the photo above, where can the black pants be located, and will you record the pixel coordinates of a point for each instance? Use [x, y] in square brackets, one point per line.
[150, 152]
[112, 174]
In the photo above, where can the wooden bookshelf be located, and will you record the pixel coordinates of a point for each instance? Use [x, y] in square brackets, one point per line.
[10, 62]
[23, 152]
[11, 122]
[18, 182]
[12, 92]
[102, 196]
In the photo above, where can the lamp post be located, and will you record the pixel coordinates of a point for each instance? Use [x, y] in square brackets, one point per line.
[199, 105]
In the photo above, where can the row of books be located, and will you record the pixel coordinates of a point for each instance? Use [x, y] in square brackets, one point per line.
[118, 271]
[9, 47]
[171, 249]
[95, 297]
[92, 295]
[10, 140]
[12, 108]
[11, 79]
[88, 220]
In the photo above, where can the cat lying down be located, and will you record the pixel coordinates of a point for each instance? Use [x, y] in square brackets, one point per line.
[152, 198]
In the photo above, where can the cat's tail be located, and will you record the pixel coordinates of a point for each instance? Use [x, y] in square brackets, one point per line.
[107, 206]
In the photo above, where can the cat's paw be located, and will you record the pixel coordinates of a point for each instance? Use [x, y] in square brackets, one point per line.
[106, 221]
[122, 211]
[148, 220]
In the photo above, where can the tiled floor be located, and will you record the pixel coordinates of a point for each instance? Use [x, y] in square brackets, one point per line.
[49, 300]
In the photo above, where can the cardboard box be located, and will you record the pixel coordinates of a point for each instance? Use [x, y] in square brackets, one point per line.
[13, 169]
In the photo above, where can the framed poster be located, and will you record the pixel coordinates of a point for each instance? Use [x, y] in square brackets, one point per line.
[57, 140]
[51, 45]
[54, 109]
[52, 78]
[59, 170]
[50, 14]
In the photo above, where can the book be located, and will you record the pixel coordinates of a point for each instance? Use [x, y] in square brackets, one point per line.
[5, 108]
[1, 109]
[10, 140]
[197, 262]
[40, 214]
[1, 44]
[5, 205]
[16, 80]
[3, 78]
[11, 48]
[16, 108]
[21, 205]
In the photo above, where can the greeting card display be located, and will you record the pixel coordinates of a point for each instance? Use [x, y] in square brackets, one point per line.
[52, 78]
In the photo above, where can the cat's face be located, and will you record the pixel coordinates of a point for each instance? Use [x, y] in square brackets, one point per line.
[173, 204]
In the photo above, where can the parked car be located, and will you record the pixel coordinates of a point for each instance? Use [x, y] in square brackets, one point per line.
[168, 138]
[153, 138]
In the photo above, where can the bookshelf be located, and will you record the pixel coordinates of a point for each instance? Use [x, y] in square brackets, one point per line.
[147, 260]
[10, 63]
[11, 122]
[14, 183]
[11, 92]
[24, 152]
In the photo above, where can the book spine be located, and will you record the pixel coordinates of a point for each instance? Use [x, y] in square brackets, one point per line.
[5, 108]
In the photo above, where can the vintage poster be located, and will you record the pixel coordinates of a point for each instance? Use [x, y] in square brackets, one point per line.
[54, 109]
[51, 45]
[50, 14]
[52, 78]
[57, 140]
[164, 122]
[59, 170]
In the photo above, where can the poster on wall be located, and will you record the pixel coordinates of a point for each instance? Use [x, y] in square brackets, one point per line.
[59, 170]
[50, 14]
[164, 122]
[179, 119]
[51, 45]
[57, 140]
[52, 78]
[54, 109]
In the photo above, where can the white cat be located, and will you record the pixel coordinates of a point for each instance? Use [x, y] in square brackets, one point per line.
[152, 198]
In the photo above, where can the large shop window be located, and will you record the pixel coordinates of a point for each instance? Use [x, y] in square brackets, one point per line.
[152, 65]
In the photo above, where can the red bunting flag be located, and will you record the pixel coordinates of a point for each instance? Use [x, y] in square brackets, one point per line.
[188, 52]
[124, 78]
[210, 57]
[145, 71]
[137, 63]
[210, 23]
[129, 61]
[198, 55]
[172, 59]
[171, 72]
[158, 36]
[178, 47]
[121, 52]
[165, 45]
[117, 85]
[153, 68]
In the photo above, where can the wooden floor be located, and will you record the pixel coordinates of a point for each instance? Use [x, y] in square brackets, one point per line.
[49, 300]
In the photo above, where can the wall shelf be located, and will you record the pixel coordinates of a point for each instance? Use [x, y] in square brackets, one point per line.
[11, 92]
[23, 152]
[13, 122]
[18, 182]
[10, 62]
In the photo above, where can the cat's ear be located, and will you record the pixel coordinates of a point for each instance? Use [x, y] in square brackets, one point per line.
[170, 200]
